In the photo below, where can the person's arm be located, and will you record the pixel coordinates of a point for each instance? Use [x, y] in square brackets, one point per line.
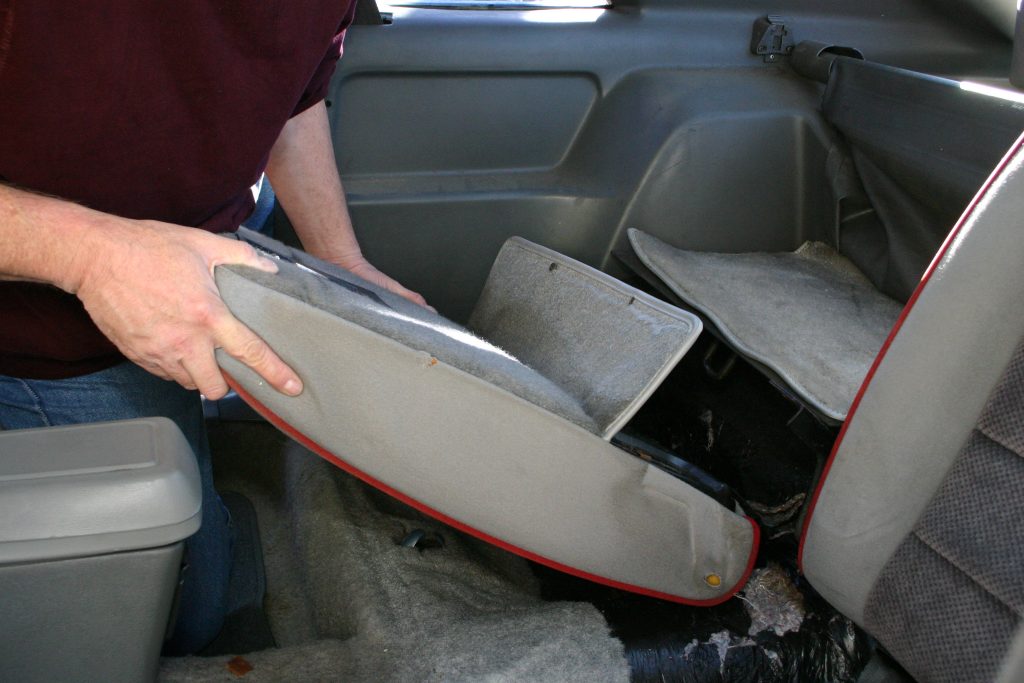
[304, 176]
[147, 285]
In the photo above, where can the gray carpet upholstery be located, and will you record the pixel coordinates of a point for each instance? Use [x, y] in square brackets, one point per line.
[392, 316]
[322, 660]
[607, 344]
[382, 612]
[810, 316]
[948, 603]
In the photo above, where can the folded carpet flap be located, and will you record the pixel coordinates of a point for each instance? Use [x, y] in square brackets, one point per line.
[606, 343]
[811, 316]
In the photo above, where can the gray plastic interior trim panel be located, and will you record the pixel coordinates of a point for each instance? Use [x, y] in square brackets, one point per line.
[464, 107]
[95, 489]
[1000, 12]
[93, 619]
[925, 397]
[479, 457]
[685, 120]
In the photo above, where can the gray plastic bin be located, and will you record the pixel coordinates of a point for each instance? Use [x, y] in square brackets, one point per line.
[92, 523]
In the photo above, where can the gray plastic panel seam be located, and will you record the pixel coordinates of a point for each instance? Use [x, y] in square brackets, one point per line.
[48, 549]
[143, 491]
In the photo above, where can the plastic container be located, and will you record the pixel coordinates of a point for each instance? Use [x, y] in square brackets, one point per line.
[92, 523]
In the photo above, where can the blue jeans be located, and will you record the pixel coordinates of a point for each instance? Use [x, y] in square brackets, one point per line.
[265, 201]
[127, 391]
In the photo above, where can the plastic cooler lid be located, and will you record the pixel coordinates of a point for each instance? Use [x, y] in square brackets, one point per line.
[94, 489]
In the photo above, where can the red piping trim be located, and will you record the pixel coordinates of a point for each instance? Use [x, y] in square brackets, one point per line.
[278, 422]
[950, 238]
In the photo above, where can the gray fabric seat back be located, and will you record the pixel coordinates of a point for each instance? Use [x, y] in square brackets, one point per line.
[955, 618]
[914, 531]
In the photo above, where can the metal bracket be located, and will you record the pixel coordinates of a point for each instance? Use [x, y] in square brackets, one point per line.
[422, 540]
[680, 469]
[772, 38]
[715, 365]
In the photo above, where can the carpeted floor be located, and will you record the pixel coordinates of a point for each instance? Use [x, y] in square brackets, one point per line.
[347, 601]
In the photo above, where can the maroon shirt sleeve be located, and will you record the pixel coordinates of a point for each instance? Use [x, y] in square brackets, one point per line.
[316, 90]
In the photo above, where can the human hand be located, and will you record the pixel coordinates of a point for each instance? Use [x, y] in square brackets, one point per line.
[368, 272]
[149, 288]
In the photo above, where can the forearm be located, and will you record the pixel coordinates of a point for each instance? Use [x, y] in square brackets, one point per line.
[147, 285]
[304, 175]
[43, 239]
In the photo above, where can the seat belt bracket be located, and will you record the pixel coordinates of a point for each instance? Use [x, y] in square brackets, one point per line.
[772, 38]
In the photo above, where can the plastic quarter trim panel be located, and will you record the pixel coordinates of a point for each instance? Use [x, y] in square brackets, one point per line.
[311, 445]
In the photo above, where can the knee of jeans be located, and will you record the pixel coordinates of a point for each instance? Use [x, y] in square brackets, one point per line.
[203, 602]
[204, 587]
[191, 635]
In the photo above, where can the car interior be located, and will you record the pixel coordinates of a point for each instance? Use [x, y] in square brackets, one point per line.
[725, 382]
